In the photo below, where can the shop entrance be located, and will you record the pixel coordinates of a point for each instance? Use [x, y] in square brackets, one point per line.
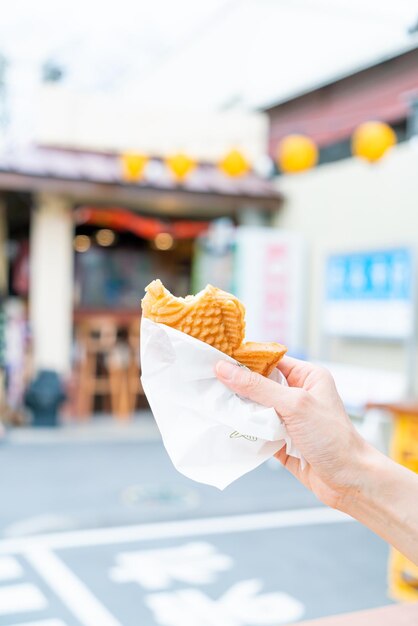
[117, 253]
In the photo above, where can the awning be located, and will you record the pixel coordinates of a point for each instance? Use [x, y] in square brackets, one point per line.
[97, 177]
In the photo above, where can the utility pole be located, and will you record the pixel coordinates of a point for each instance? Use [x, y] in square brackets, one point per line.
[412, 123]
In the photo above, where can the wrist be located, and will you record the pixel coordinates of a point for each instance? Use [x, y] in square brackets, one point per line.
[367, 464]
[385, 498]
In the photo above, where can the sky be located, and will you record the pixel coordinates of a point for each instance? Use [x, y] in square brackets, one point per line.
[212, 54]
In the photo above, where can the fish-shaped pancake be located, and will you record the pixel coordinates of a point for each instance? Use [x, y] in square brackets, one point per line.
[215, 317]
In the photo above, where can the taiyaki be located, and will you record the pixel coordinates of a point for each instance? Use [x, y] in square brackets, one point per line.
[215, 317]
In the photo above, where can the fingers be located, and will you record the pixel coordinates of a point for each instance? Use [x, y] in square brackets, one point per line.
[290, 463]
[258, 388]
[295, 370]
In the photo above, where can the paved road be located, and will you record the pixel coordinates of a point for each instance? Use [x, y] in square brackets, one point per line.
[109, 534]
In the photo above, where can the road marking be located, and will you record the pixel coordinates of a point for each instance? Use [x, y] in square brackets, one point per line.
[70, 589]
[182, 528]
[48, 622]
[40, 524]
[195, 563]
[241, 605]
[9, 568]
[21, 598]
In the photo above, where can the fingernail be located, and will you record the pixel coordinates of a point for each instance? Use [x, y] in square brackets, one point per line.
[225, 369]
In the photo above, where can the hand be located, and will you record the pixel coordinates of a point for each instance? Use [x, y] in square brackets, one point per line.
[315, 419]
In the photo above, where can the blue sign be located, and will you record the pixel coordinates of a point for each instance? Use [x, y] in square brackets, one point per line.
[376, 275]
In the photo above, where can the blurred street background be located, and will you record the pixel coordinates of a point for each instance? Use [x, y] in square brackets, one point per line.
[267, 147]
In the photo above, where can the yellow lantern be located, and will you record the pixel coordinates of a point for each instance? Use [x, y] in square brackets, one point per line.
[371, 140]
[180, 165]
[133, 166]
[234, 164]
[296, 153]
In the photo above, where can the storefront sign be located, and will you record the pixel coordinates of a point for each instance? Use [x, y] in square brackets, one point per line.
[370, 294]
[270, 278]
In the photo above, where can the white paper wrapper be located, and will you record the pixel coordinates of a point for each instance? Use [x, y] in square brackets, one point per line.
[211, 435]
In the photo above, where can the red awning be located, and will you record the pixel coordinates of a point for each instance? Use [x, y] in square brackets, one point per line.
[147, 227]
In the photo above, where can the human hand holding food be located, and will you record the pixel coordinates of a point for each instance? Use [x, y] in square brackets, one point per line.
[315, 419]
[342, 470]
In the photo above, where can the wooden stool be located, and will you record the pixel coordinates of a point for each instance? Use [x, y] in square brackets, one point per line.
[108, 365]
[118, 365]
[96, 338]
[134, 369]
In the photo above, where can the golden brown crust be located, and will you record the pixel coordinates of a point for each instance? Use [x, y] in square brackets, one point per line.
[260, 357]
[213, 316]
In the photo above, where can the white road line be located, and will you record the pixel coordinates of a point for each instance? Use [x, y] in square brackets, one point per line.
[9, 568]
[181, 528]
[48, 622]
[21, 598]
[40, 524]
[70, 589]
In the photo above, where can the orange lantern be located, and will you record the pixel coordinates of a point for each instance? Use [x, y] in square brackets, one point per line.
[296, 153]
[133, 166]
[235, 164]
[180, 165]
[371, 140]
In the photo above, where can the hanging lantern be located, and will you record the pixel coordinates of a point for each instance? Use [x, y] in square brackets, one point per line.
[234, 164]
[180, 165]
[296, 153]
[133, 166]
[371, 140]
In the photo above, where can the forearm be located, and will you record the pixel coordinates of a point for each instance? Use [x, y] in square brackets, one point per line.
[386, 500]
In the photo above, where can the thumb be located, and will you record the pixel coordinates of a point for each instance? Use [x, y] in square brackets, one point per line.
[259, 388]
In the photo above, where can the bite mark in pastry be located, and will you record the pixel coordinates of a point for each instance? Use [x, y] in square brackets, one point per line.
[215, 317]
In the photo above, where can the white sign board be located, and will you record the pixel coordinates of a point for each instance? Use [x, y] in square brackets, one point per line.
[370, 294]
[270, 279]
[88, 121]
